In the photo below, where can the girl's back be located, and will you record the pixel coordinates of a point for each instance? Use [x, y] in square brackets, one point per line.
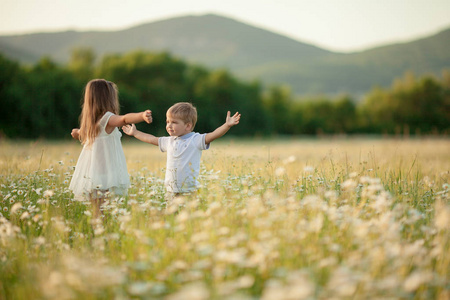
[101, 165]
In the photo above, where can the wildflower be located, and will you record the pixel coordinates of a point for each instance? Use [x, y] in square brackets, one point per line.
[215, 206]
[273, 290]
[290, 160]
[16, 207]
[332, 195]
[315, 225]
[199, 237]
[5, 209]
[25, 215]
[194, 291]
[442, 219]
[348, 184]
[416, 279]
[39, 240]
[48, 193]
[364, 179]
[308, 169]
[300, 287]
[99, 230]
[224, 230]
[343, 282]
[280, 171]
[245, 281]
[20, 192]
[182, 217]
[139, 288]
[352, 174]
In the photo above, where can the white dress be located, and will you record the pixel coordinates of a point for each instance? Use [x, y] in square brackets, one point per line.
[101, 165]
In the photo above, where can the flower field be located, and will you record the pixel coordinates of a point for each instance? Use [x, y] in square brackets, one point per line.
[278, 219]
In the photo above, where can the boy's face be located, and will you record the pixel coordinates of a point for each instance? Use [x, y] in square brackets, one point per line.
[176, 126]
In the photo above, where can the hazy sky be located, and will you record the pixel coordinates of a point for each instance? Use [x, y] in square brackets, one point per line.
[339, 25]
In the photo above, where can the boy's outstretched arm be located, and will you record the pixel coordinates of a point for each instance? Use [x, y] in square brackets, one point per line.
[230, 122]
[145, 137]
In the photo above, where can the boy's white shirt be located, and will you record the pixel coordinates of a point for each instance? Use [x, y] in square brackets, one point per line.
[183, 161]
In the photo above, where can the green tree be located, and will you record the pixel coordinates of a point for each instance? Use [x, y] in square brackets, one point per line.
[421, 105]
[51, 105]
[344, 116]
[217, 92]
[146, 81]
[81, 63]
[11, 94]
[278, 103]
[318, 116]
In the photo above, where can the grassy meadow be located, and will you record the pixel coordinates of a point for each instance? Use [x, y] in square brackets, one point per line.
[277, 219]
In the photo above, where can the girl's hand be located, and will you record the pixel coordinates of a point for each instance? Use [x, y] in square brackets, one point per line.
[233, 120]
[147, 115]
[129, 129]
[75, 133]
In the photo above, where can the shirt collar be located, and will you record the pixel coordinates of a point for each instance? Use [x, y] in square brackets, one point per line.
[186, 136]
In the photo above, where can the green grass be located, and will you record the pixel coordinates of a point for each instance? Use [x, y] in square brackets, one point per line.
[291, 219]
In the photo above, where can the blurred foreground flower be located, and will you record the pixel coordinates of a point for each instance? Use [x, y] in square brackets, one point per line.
[308, 169]
[48, 193]
[192, 291]
[280, 171]
[16, 207]
[442, 218]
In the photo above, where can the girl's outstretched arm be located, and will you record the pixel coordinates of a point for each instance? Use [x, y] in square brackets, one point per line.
[131, 118]
[145, 137]
[230, 122]
[75, 133]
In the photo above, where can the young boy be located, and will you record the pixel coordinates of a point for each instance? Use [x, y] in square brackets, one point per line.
[184, 147]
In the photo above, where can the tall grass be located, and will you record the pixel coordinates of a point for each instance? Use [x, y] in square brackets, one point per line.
[292, 219]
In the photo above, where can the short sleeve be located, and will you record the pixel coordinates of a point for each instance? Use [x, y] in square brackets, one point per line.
[200, 142]
[162, 143]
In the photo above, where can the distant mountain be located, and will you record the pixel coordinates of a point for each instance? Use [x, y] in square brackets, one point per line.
[18, 54]
[249, 52]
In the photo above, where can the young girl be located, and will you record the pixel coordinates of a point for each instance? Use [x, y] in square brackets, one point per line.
[101, 167]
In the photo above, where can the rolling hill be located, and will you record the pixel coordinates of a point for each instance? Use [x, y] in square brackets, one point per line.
[249, 52]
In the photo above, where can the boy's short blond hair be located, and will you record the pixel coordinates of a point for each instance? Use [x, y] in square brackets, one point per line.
[185, 111]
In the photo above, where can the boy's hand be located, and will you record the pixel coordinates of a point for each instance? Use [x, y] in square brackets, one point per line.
[75, 133]
[220, 131]
[129, 129]
[148, 116]
[233, 120]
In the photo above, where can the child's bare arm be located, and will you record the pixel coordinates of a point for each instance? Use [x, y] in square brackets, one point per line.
[75, 133]
[145, 137]
[131, 118]
[230, 122]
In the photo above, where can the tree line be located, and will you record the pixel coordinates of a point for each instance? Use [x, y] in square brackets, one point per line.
[44, 100]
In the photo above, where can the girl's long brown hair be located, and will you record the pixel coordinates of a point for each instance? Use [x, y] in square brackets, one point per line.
[100, 96]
